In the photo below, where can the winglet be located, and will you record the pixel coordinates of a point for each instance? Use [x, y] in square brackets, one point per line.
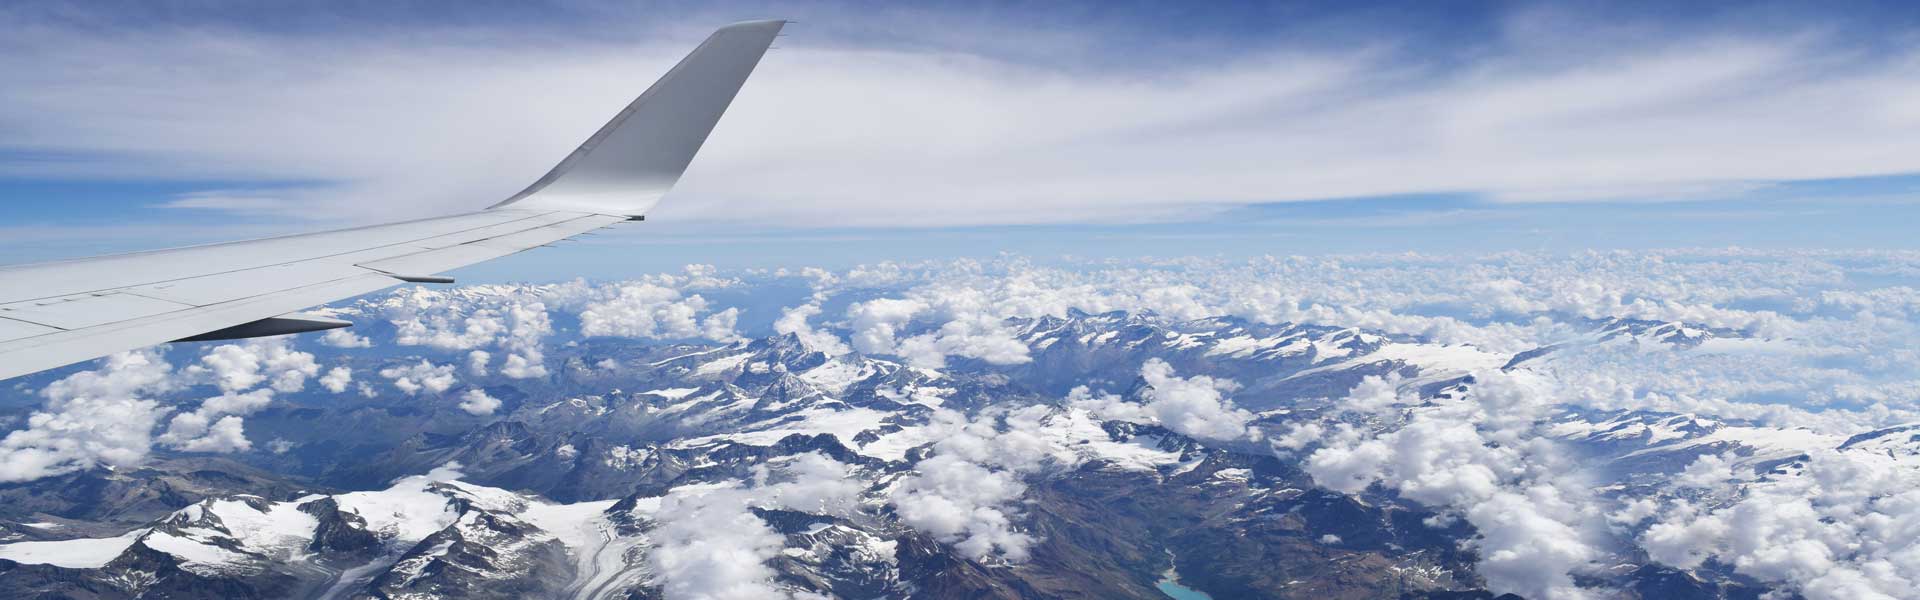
[635, 158]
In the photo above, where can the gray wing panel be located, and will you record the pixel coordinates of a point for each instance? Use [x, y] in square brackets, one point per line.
[54, 331]
[43, 281]
[441, 259]
[20, 357]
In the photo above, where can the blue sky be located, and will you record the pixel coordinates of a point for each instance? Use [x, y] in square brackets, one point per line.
[881, 131]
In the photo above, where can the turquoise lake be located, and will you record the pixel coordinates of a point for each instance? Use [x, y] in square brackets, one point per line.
[1180, 592]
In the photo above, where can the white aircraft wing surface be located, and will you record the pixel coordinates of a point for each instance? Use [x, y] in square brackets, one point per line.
[59, 313]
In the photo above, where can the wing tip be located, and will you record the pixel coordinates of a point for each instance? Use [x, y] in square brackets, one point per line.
[758, 24]
[636, 157]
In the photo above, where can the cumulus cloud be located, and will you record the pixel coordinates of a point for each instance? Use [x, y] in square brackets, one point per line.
[964, 329]
[1376, 395]
[711, 544]
[523, 366]
[420, 376]
[216, 426]
[235, 367]
[1299, 436]
[477, 362]
[811, 483]
[648, 310]
[506, 330]
[446, 320]
[100, 417]
[514, 319]
[796, 320]
[876, 324]
[476, 402]
[1195, 406]
[971, 336]
[337, 379]
[1710, 471]
[91, 418]
[1483, 459]
[343, 338]
[966, 494]
[529, 324]
[1842, 526]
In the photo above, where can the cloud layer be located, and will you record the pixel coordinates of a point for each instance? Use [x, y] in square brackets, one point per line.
[1798, 349]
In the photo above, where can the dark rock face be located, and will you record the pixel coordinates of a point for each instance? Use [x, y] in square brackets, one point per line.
[126, 498]
[1651, 582]
[339, 533]
[483, 556]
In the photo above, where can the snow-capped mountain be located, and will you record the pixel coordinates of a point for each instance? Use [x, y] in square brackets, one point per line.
[581, 482]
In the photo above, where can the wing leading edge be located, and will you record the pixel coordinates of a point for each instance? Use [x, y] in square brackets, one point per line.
[59, 313]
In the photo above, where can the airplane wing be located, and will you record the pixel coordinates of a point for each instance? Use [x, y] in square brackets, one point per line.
[59, 313]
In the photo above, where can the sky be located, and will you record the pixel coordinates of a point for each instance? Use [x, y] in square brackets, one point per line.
[890, 131]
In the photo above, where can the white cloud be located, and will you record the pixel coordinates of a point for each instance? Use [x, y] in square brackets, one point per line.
[512, 318]
[968, 330]
[1842, 527]
[1710, 471]
[877, 323]
[523, 366]
[972, 336]
[336, 379]
[216, 426]
[1299, 436]
[451, 331]
[1375, 395]
[810, 483]
[343, 338]
[91, 418]
[711, 545]
[794, 320]
[720, 326]
[424, 375]
[1485, 460]
[966, 494]
[236, 367]
[245, 202]
[1195, 406]
[476, 402]
[98, 417]
[225, 435]
[477, 362]
[648, 310]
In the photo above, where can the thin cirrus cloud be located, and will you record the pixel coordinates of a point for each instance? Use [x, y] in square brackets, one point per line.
[847, 131]
[244, 202]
